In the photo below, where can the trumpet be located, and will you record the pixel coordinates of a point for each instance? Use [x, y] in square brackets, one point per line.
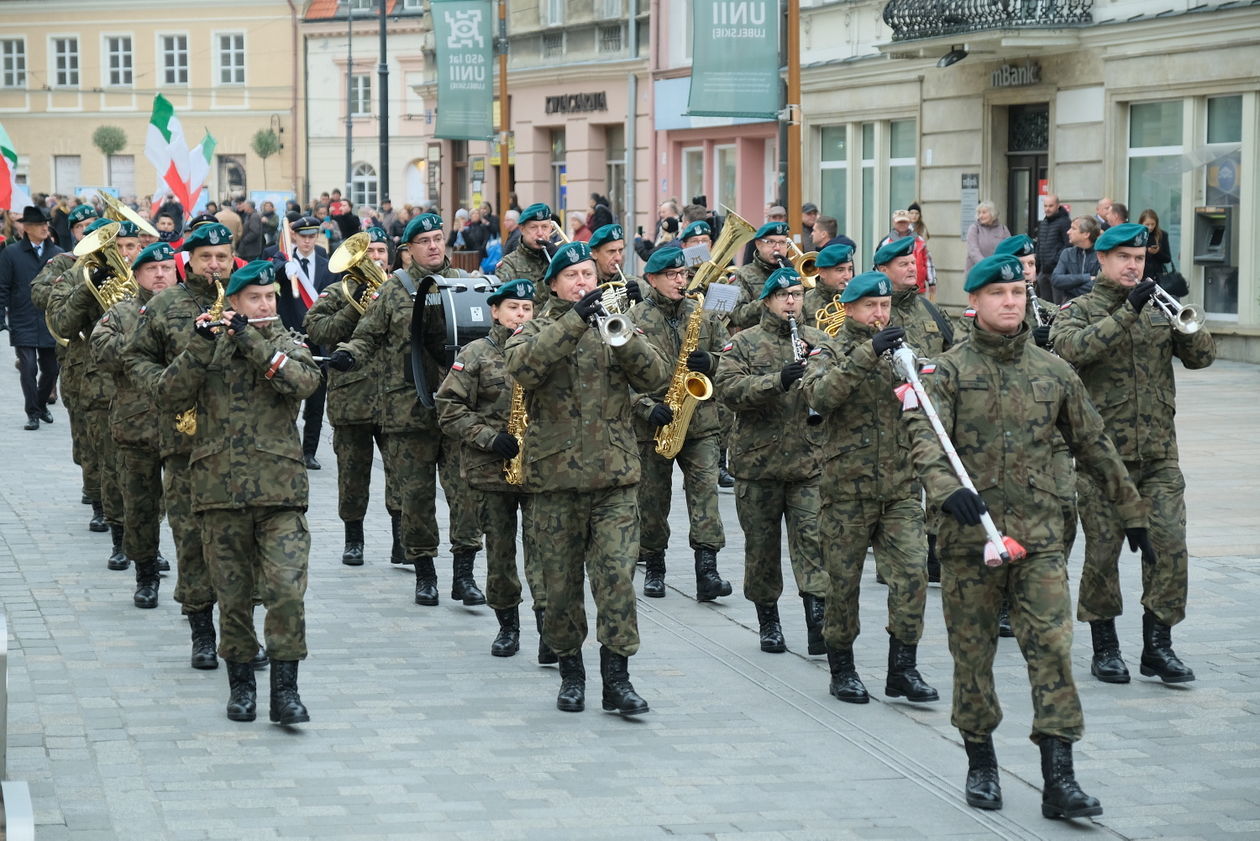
[1185, 319]
[805, 263]
[614, 326]
[813, 418]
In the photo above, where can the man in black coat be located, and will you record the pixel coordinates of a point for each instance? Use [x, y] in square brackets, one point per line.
[36, 349]
[1052, 238]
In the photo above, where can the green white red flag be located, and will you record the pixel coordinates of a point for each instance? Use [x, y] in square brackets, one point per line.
[166, 149]
[12, 194]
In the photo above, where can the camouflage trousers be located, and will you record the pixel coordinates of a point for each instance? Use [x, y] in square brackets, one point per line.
[496, 514]
[413, 457]
[463, 527]
[895, 529]
[1041, 616]
[762, 506]
[193, 587]
[726, 422]
[263, 550]
[698, 459]
[596, 531]
[1164, 583]
[94, 436]
[76, 438]
[353, 444]
[140, 472]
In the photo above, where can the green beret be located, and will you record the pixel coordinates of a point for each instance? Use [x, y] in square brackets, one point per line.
[772, 229]
[214, 233]
[1000, 268]
[569, 254]
[422, 224]
[784, 278]
[867, 285]
[520, 289]
[698, 228]
[1020, 245]
[605, 234]
[376, 234]
[834, 255]
[255, 273]
[158, 252]
[668, 257]
[535, 213]
[891, 251]
[83, 211]
[97, 224]
[1128, 235]
[128, 229]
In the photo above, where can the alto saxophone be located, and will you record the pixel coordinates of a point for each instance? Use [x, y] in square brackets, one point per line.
[186, 421]
[686, 388]
[514, 468]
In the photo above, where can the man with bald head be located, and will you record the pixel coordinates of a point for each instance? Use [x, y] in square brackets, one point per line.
[1052, 238]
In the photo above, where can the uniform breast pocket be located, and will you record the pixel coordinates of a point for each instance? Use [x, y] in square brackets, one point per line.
[1046, 397]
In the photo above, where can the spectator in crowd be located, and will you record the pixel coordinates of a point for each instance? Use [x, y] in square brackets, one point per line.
[60, 215]
[916, 221]
[599, 212]
[668, 227]
[10, 227]
[232, 220]
[270, 224]
[511, 235]
[1159, 258]
[1118, 214]
[386, 214]
[1077, 266]
[984, 234]
[1051, 240]
[28, 334]
[826, 228]
[330, 231]
[1100, 213]
[168, 230]
[347, 222]
[809, 217]
[925, 271]
[578, 231]
[476, 234]
[401, 218]
[212, 207]
[249, 245]
[489, 219]
[455, 240]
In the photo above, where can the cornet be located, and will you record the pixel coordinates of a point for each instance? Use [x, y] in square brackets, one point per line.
[1184, 318]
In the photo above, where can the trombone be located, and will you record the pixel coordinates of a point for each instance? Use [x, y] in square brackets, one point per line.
[1184, 318]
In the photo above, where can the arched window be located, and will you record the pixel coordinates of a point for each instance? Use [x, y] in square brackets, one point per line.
[363, 186]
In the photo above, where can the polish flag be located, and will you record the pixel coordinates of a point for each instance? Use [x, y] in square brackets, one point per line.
[12, 194]
[166, 149]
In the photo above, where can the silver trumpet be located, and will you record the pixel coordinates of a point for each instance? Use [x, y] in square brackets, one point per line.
[614, 326]
[1183, 317]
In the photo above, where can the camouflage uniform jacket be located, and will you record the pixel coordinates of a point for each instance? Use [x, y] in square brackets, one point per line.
[165, 329]
[1125, 359]
[867, 455]
[815, 299]
[751, 279]
[577, 395]
[771, 439]
[664, 322]
[529, 263]
[131, 417]
[353, 396]
[72, 313]
[71, 361]
[247, 389]
[912, 311]
[1004, 402]
[472, 407]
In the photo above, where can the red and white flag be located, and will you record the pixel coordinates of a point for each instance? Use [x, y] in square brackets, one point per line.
[166, 149]
[13, 196]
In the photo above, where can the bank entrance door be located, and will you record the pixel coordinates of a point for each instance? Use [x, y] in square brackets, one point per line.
[1027, 145]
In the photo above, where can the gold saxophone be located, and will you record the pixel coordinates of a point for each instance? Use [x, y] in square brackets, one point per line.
[686, 388]
[514, 468]
[186, 421]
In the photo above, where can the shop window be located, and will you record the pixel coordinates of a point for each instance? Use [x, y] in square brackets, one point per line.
[692, 173]
[615, 168]
[1221, 181]
[725, 182]
[902, 170]
[1155, 150]
[833, 164]
[559, 171]
[870, 233]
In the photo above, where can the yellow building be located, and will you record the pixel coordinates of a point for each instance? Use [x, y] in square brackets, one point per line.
[68, 67]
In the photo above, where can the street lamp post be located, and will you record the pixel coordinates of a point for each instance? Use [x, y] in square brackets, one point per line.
[349, 93]
[382, 73]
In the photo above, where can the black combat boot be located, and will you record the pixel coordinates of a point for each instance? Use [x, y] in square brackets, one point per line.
[163, 564]
[397, 555]
[84, 498]
[984, 790]
[1107, 665]
[709, 585]
[1062, 797]
[147, 581]
[725, 479]
[286, 705]
[815, 607]
[463, 585]
[653, 574]
[118, 559]
[769, 628]
[1004, 619]
[934, 563]
[352, 555]
[97, 523]
[203, 653]
[903, 676]
[508, 642]
[545, 655]
[260, 661]
[572, 696]
[1158, 658]
[845, 683]
[426, 582]
[619, 694]
[243, 701]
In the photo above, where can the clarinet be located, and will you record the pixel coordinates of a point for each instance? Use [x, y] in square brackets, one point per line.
[812, 418]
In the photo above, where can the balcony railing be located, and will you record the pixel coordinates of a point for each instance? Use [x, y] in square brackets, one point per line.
[913, 19]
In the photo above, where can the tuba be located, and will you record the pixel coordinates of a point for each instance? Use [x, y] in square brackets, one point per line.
[736, 232]
[97, 251]
[686, 388]
[186, 421]
[830, 317]
[116, 210]
[518, 420]
[351, 260]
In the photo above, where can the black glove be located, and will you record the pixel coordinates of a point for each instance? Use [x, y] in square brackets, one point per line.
[341, 360]
[1141, 294]
[791, 372]
[965, 506]
[589, 305]
[1140, 542]
[887, 339]
[359, 290]
[660, 415]
[238, 323]
[101, 274]
[633, 292]
[205, 329]
[700, 361]
[1041, 335]
[505, 445]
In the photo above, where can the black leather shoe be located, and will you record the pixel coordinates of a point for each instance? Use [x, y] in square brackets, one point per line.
[397, 555]
[203, 653]
[118, 559]
[545, 655]
[311, 464]
[815, 608]
[46, 416]
[352, 555]
[1004, 620]
[903, 675]
[984, 788]
[31, 424]
[508, 641]
[463, 586]
[619, 694]
[1107, 665]
[147, 581]
[845, 683]
[286, 705]
[653, 574]
[709, 585]
[1158, 658]
[163, 564]
[97, 523]
[426, 582]
[1062, 796]
[260, 660]
[769, 629]
[243, 701]
[572, 695]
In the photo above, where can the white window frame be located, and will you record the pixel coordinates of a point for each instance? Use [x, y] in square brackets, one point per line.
[220, 66]
[360, 94]
[689, 189]
[163, 54]
[599, 38]
[551, 12]
[558, 52]
[412, 5]
[608, 9]
[717, 199]
[15, 76]
[55, 73]
[362, 5]
[364, 184]
[126, 69]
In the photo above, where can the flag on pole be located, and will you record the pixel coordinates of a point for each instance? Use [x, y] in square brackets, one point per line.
[12, 194]
[166, 149]
[199, 158]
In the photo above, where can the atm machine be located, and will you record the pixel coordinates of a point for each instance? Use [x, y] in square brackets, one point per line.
[1216, 250]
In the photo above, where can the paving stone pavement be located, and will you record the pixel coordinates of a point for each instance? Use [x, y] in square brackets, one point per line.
[418, 733]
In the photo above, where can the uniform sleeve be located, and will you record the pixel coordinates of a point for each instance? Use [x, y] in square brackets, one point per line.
[1085, 434]
[456, 401]
[107, 342]
[833, 375]
[645, 366]
[330, 320]
[369, 334]
[532, 350]
[748, 311]
[739, 389]
[1195, 350]
[1080, 342]
[73, 309]
[286, 364]
[177, 384]
[41, 286]
[933, 466]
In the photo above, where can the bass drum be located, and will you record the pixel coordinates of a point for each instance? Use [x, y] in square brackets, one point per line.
[449, 312]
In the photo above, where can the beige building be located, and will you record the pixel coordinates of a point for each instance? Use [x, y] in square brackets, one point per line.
[68, 67]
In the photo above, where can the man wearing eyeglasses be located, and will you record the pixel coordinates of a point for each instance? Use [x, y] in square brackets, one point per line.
[769, 244]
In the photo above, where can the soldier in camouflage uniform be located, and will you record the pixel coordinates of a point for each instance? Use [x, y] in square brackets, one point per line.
[775, 456]
[249, 485]
[530, 259]
[869, 493]
[354, 412]
[1004, 403]
[413, 442]
[1122, 345]
[582, 464]
[835, 270]
[664, 316]
[770, 243]
[473, 405]
[134, 424]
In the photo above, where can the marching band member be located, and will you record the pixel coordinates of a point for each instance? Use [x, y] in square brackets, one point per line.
[530, 259]
[835, 270]
[770, 243]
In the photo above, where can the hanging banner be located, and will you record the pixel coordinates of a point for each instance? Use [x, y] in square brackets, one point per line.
[463, 34]
[735, 59]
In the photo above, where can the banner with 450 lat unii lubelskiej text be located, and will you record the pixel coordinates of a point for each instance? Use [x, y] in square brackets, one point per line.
[464, 37]
[735, 59]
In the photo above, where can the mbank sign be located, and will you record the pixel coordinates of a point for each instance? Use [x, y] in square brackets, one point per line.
[1012, 76]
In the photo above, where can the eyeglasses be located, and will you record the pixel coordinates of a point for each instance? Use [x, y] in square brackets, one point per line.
[789, 294]
[674, 274]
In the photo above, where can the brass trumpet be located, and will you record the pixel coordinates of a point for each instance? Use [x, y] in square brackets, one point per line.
[351, 260]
